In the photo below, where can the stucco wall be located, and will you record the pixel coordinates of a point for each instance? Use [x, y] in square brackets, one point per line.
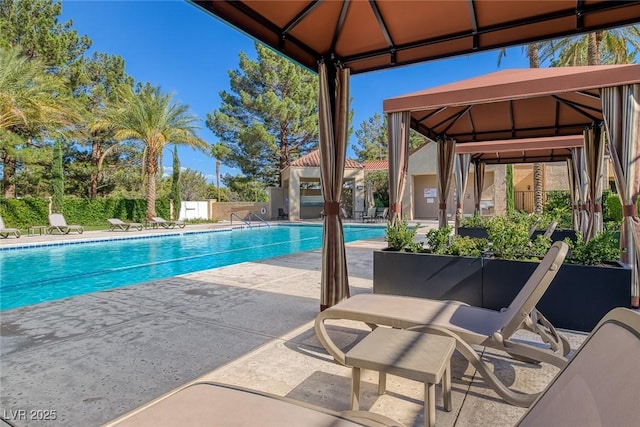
[222, 210]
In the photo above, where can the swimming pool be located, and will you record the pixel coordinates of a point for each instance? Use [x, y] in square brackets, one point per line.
[34, 275]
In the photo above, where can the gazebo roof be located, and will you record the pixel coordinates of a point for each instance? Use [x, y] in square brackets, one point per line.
[377, 34]
[517, 103]
[532, 150]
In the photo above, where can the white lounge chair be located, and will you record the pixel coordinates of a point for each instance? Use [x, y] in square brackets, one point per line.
[5, 231]
[467, 324]
[59, 224]
[601, 384]
[212, 404]
[118, 224]
[159, 221]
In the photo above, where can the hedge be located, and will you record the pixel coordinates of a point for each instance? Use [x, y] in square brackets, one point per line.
[22, 213]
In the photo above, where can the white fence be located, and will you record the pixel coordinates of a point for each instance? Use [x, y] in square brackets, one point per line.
[194, 210]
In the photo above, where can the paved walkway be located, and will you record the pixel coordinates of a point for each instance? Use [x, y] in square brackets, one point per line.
[94, 357]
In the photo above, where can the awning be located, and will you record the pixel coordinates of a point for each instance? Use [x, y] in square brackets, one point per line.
[376, 34]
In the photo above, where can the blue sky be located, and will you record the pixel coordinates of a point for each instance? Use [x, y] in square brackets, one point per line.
[187, 52]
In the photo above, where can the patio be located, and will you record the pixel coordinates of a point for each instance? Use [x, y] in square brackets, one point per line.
[95, 357]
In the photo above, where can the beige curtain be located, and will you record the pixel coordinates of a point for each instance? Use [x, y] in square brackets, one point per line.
[573, 192]
[478, 186]
[580, 182]
[444, 167]
[398, 133]
[333, 112]
[594, 161]
[621, 111]
[463, 163]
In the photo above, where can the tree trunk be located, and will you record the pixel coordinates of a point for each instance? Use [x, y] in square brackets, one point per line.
[8, 177]
[93, 180]
[152, 169]
[218, 178]
[593, 48]
[537, 188]
[534, 62]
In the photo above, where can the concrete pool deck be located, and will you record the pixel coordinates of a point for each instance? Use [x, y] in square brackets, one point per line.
[94, 357]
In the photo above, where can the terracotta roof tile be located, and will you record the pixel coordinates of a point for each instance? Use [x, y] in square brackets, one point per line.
[313, 160]
[376, 165]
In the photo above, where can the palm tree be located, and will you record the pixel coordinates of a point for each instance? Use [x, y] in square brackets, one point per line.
[219, 152]
[616, 46]
[32, 102]
[153, 118]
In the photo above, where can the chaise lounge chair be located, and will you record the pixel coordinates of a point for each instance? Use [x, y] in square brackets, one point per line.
[601, 384]
[118, 224]
[469, 325]
[5, 232]
[213, 404]
[59, 224]
[158, 221]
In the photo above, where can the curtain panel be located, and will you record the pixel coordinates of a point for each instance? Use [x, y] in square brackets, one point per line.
[333, 113]
[621, 111]
[398, 133]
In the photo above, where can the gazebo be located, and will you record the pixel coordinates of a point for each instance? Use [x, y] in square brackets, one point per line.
[344, 37]
[539, 112]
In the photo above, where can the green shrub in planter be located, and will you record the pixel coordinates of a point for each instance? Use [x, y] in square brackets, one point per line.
[401, 236]
[438, 239]
[467, 246]
[602, 249]
[510, 240]
[474, 221]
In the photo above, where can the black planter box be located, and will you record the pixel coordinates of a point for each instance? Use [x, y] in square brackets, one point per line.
[578, 297]
[558, 235]
[428, 276]
[477, 232]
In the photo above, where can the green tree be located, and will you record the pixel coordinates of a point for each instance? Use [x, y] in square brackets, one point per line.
[95, 81]
[614, 46]
[220, 152]
[269, 118]
[57, 178]
[156, 120]
[32, 28]
[244, 189]
[176, 194]
[372, 141]
[32, 104]
[380, 182]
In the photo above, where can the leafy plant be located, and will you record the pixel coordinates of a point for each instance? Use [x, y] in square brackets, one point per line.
[510, 239]
[467, 246]
[602, 249]
[401, 236]
[438, 239]
[474, 221]
[558, 208]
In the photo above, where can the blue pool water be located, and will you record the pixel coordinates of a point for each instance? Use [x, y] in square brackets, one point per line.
[33, 275]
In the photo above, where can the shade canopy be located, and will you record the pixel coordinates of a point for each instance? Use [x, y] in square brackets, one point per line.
[531, 150]
[377, 34]
[514, 103]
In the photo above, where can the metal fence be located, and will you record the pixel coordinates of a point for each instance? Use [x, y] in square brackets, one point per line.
[524, 200]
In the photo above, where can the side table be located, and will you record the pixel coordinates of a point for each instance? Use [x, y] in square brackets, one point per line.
[40, 229]
[414, 355]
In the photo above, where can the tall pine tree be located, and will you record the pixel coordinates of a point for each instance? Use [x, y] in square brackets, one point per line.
[373, 143]
[269, 118]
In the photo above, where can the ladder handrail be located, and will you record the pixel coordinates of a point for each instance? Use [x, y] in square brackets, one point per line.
[238, 216]
[258, 218]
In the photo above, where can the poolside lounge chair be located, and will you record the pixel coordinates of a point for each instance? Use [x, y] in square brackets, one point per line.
[601, 384]
[5, 232]
[118, 224]
[158, 221]
[382, 215]
[282, 214]
[370, 216]
[469, 325]
[209, 404]
[59, 224]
